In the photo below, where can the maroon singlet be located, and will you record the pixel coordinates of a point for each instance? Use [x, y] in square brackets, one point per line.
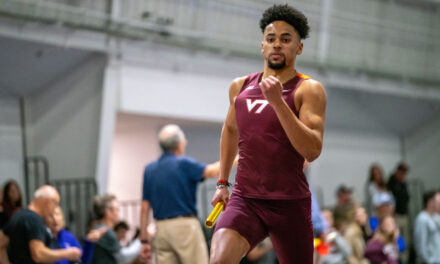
[269, 166]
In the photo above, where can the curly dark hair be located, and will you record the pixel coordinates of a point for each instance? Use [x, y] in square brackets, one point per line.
[287, 14]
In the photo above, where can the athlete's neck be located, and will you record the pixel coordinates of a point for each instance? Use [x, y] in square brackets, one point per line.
[283, 75]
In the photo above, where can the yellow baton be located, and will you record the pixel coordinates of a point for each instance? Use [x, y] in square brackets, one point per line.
[214, 214]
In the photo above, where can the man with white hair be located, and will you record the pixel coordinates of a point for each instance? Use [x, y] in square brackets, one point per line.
[169, 188]
[27, 235]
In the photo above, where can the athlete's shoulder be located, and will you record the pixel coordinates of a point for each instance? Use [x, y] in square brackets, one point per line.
[310, 85]
[238, 82]
[311, 91]
[236, 86]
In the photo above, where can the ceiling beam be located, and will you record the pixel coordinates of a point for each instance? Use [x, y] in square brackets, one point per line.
[99, 42]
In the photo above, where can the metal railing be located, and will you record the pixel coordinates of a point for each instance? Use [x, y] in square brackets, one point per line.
[76, 194]
[37, 174]
[130, 209]
[130, 212]
[76, 202]
[416, 190]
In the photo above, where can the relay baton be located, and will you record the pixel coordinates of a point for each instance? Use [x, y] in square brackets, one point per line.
[214, 214]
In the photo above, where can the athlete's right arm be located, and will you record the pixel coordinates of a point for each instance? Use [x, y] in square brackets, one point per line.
[228, 142]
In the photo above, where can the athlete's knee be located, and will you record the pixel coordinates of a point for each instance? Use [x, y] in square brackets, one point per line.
[218, 255]
[218, 258]
[219, 261]
[228, 247]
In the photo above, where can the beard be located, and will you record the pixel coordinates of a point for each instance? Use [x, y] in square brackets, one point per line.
[276, 66]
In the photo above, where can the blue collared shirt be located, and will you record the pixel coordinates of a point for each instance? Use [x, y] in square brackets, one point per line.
[170, 185]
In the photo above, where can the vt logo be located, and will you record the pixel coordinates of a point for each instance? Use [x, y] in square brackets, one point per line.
[251, 105]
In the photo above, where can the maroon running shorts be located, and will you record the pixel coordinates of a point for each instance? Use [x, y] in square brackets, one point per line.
[287, 222]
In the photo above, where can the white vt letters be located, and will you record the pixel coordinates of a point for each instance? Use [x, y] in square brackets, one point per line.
[251, 105]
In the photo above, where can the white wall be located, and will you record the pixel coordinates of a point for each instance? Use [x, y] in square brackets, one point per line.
[107, 123]
[135, 145]
[63, 120]
[346, 158]
[423, 154]
[11, 152]
[175, 94]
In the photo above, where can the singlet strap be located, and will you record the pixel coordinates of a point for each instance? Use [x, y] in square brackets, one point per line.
[306, 77]
[250, 78]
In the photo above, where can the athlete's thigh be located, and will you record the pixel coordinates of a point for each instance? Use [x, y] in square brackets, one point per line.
[241, 215]
[238, 230]
[291, 232]
[228, 246]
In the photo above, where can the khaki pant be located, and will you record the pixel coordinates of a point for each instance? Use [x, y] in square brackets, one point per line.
[180, 240]
[402, 223]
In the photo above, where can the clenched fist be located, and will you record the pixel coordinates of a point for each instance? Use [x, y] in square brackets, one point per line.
[220, 195]
[272, 89]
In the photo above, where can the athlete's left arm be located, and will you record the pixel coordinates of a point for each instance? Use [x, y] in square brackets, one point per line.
[305, 132]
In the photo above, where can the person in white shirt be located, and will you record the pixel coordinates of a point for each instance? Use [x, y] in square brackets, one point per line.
[427, 229]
